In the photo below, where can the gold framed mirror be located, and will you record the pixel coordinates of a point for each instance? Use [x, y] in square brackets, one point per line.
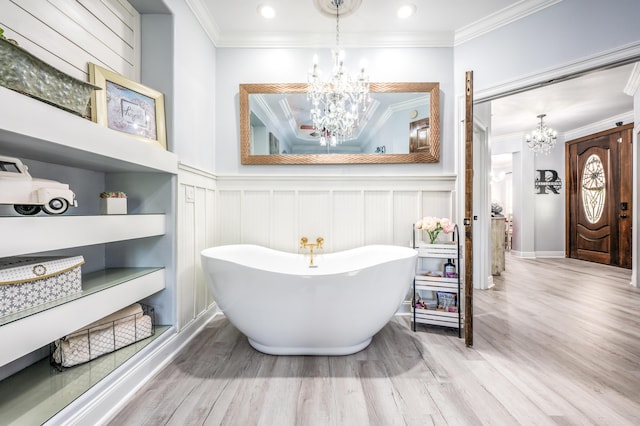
[401, 125]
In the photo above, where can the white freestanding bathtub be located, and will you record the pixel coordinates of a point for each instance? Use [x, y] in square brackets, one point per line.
[285, 307]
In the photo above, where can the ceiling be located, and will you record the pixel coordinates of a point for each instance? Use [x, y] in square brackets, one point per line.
[569, 105]
[366, 23]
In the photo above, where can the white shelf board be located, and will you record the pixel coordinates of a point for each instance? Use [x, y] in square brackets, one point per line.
[33, 129]
[104, 292]
[445, 319]
[33, 234]
[447, 288]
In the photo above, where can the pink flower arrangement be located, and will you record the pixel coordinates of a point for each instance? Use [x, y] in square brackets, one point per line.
[434, 226]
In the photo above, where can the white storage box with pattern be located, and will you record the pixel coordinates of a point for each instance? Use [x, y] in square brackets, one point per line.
[30, 281]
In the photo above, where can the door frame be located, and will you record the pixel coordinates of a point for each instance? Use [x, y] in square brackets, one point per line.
[625, 55]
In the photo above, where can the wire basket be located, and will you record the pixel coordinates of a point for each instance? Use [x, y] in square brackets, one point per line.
[120, 329]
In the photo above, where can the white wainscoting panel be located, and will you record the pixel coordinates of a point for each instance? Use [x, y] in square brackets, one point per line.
[378, 217]
[67, 34]
[346, 211]
[196, 227]
[229, 208]
[284, 230]
[256, 217]
[315, 216]
[406, 206]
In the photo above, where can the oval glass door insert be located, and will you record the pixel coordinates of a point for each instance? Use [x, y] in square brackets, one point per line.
[593, 188]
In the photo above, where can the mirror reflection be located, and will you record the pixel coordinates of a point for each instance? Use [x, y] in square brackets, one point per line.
[400, 125]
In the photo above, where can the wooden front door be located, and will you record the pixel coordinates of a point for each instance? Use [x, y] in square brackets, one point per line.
[599, 173]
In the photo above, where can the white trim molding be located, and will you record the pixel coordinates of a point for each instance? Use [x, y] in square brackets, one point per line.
[501, 18]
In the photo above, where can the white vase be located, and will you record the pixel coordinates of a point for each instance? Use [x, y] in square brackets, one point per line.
[113, 205]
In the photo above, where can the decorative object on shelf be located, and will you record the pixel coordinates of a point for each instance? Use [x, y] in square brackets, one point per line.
[22, 72]
[29, 195]
[337, 102]
[542, 139]
[113, 332]
[127, 106]
[113, 203]
[31, 281]
[450, 269]
[433, 226]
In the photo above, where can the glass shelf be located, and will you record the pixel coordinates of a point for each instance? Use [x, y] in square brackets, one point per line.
[91, 283]
[37, 393]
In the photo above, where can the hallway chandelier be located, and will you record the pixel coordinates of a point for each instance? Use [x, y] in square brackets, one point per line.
[542, 139]
[338, 102]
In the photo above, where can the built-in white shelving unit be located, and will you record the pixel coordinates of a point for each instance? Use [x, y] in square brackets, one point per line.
[30, 234]
[129, 257]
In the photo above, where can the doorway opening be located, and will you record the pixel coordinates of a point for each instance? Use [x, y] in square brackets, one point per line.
[576, 106]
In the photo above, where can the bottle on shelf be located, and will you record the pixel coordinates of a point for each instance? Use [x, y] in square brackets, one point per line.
[450, 269]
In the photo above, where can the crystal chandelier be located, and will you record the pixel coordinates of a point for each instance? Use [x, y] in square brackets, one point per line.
[542, 139]
[338, 102]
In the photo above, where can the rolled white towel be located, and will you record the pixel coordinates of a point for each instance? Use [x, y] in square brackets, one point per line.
[123, 315]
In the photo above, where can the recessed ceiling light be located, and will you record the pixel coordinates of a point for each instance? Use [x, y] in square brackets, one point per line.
[406, 11]
[266, 11]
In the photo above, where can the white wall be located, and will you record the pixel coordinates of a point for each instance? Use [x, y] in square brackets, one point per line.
[561, 35]
[549, 214]
[236, 66]
[194, 90]
[539, 220]
[520, 54]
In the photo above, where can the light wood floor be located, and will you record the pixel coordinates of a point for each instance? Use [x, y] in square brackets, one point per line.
[556, 341]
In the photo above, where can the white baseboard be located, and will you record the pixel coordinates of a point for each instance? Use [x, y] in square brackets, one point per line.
[524, 254]
[103, 401]
[555, 254]
[537, 254]
[490, 283]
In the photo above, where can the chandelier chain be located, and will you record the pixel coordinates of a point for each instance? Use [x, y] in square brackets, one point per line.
[337, 3]
[337, 102]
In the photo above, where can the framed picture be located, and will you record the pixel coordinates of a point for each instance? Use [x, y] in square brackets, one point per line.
[127, 106]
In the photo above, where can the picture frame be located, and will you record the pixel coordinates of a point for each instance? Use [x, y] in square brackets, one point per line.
[127, 106]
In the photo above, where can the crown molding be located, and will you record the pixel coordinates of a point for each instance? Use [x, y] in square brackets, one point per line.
[327, 40]
[501, 18]
[599, 126]
[203, 16]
